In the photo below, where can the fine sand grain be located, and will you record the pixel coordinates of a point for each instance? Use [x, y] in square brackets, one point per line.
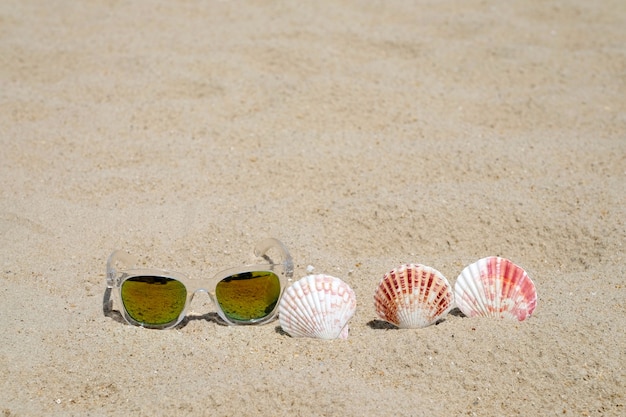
[363, 135]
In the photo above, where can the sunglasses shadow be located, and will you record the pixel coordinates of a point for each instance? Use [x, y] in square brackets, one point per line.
[107, 308]
[209, 317]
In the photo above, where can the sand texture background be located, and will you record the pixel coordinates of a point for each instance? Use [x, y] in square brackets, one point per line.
[363, 135]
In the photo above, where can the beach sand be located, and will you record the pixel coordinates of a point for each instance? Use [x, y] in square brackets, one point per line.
[363, 135]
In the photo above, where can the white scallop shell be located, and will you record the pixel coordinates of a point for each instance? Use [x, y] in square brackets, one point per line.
[413, 296]
[317, 306]
[495, 287]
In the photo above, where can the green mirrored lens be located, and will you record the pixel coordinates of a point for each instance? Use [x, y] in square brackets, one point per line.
[153, 300]
[249, 295]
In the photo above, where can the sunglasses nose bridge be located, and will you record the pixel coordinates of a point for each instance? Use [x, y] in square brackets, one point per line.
[200, 291]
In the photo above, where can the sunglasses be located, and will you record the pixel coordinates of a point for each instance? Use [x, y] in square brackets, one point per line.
[158, 299]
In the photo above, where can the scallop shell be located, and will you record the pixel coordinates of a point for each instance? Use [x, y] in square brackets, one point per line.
[413, 296]
[495, 287]
[317, 306]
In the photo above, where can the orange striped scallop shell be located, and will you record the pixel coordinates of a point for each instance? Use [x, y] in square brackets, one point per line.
[413, 296]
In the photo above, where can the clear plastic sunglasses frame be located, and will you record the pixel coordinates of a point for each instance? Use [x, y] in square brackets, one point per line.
[121, 267]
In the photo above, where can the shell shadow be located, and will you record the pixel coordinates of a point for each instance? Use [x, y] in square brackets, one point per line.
[381, 325]
[280, 331]
[456, 312]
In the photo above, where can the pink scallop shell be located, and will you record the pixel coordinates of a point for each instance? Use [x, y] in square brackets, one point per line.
[413, 296]
[495, 287]
[317, 306]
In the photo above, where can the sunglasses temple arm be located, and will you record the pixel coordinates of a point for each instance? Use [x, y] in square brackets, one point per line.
[265, 245]
[118, 261]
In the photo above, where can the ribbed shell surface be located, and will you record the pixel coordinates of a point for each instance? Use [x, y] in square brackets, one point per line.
[317, 306]
[495, 287]
[413, 296]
